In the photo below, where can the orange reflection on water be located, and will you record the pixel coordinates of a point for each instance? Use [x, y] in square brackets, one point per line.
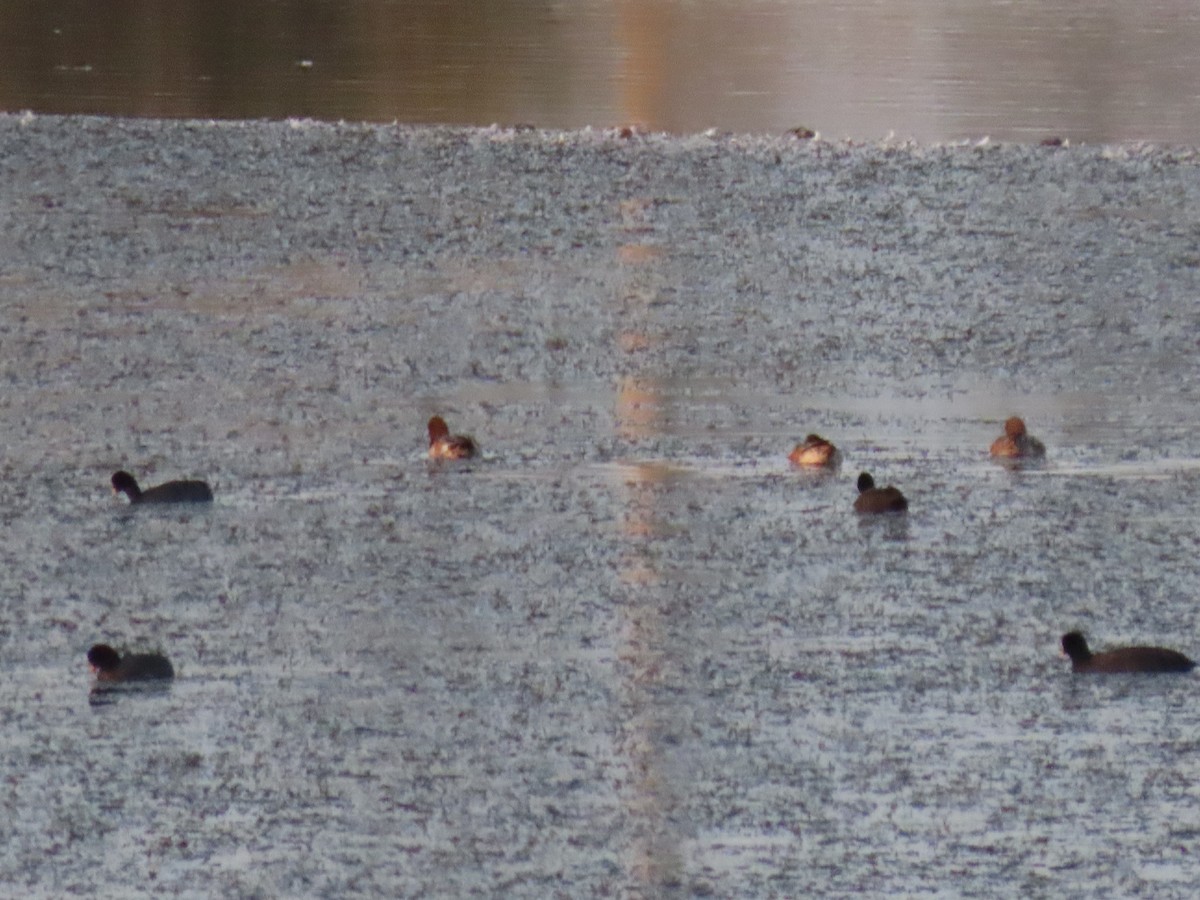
[928, 69]
[638, 254]
[650, 793]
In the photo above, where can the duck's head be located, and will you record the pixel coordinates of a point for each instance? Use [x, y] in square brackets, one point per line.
[103, 658]
[438, 429]
[1075, 646]
[1014, 427]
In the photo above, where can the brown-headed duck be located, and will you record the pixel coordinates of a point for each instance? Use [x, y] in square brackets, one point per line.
[444, 445]
[873, 499]
[1122, 659]
[1015, 443]
[815, 452]
[171, 492]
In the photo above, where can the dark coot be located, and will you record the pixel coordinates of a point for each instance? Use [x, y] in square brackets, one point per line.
[111, 667]
[1122, 659]
[873, 499]
[171, 492]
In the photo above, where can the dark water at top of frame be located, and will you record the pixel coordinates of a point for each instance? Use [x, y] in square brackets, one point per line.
[1095, 72]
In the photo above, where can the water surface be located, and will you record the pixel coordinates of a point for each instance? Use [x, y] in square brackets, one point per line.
[931, 70]
[629, 651]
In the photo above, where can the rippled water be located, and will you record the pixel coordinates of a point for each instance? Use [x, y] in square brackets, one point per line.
[1107, 70]
[630, 651]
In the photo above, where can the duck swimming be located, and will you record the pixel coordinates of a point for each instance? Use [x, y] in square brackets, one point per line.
[873, 499]
[815, 452]
[444, 445]
[112, 668]
[1015, 443]
[171, 492]
[1122, 659]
